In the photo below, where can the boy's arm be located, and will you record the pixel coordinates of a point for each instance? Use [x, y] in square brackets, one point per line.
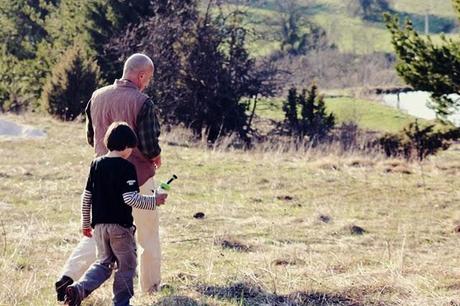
[131, 195]
[86, 213]
[137, 200]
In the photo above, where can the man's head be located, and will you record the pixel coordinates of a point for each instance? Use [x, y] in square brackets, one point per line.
[120, 137]
[138, 69]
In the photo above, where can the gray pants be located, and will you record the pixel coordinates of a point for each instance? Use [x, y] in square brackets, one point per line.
[148, 239]
[115, 244]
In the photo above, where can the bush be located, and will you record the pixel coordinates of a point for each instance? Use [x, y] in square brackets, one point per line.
[70, 85]
[314, 122]
[418, 142]
[348, 136]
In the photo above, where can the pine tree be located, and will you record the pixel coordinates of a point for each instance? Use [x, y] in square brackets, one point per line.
[22, 33]
[427, 66]
[290, 111]
[22, 26]
[70, 85]
[315, 122]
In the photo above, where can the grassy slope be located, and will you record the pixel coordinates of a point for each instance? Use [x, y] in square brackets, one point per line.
[367, 114]
[408, 255]
[349, 33]
[437, 7]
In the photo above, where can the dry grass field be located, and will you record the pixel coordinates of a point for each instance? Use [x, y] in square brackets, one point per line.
[311, 228]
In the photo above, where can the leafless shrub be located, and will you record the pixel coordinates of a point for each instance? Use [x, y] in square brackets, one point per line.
[333, 69]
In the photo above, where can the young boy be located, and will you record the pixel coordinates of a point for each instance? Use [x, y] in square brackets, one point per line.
[111, 192]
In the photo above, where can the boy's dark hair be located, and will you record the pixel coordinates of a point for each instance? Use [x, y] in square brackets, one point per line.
[120, 136]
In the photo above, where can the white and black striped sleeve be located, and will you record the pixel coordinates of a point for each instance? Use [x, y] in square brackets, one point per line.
[86, 209]
[137, 200]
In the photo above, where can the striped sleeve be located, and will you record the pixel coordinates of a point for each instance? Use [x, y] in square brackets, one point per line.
[137, 200]
[86, 209]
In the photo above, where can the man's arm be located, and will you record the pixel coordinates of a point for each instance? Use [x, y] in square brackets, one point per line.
[89, 125]
[148, 131]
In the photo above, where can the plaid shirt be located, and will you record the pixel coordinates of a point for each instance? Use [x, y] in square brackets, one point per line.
[148, 129]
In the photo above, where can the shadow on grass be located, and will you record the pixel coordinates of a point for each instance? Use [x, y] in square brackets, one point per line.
[178, 300]
[249, 294]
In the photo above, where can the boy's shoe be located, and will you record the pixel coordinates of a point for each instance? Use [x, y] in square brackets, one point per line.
[72, 297]
[61, 285]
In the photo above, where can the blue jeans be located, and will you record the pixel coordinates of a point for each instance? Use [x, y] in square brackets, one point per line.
[115, 244]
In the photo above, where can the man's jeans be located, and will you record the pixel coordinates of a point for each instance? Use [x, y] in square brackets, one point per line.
[115, 244]
[148, 237]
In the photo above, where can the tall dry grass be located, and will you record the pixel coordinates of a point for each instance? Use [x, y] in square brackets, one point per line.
[279, 227]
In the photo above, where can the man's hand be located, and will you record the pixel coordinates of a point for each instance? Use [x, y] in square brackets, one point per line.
[160, 199]
[157, 161]
[88, 232]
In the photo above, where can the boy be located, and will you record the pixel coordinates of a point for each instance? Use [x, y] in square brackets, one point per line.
[111, 192]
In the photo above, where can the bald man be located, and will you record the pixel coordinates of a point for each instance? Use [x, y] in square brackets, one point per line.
[124, 101]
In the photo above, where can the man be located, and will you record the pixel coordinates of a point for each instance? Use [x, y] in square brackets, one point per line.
[124, 101]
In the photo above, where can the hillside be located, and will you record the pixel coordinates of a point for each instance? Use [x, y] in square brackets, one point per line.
[368, 115]
[279, 229]
[349, 33]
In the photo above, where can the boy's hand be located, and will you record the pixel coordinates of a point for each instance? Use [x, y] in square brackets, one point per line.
[160, 199]
[88, 232]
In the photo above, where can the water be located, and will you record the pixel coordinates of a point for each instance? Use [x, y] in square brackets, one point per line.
[415, 103]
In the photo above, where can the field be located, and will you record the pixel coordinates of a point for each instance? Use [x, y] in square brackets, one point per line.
[310, 228]
[367, 114]
[349, 33]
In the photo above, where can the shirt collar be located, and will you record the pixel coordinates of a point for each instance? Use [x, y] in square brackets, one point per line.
[125, 83]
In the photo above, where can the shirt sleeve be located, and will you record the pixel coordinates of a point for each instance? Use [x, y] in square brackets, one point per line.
[148, 130]
[129, 181]
[86, 203]
[137, 200]
[86, 200]
[89, 125]
[130, 191]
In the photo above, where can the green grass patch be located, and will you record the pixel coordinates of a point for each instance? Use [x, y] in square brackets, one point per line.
[367, 114]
